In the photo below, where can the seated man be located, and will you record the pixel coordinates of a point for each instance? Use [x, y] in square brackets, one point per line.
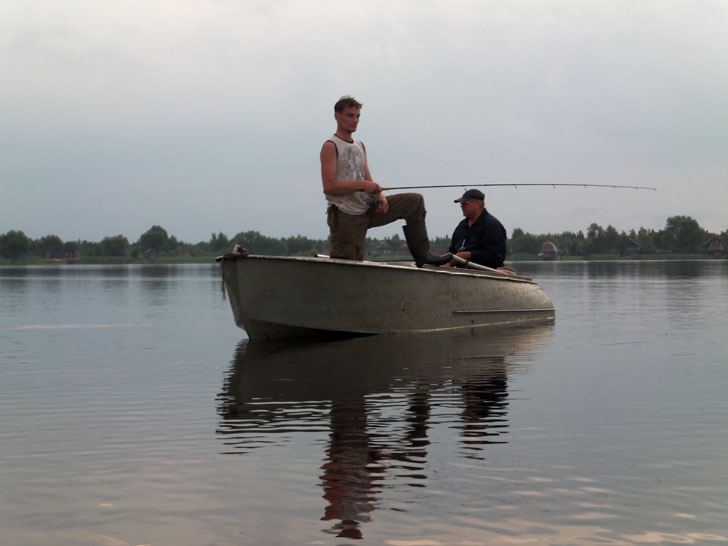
[356, 202]
[480, 237]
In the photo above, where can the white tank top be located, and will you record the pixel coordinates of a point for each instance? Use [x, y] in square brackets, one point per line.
[351, 166]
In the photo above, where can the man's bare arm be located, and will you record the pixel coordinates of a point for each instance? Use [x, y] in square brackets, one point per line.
[341, 187]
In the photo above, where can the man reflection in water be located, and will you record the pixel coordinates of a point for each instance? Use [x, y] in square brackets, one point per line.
[355, 464]
[365, 446]
[349, 473]
[485, 407]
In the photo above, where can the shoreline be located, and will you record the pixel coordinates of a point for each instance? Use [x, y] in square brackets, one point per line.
[391, 258]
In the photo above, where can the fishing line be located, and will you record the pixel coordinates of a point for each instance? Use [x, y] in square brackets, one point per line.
[516, 185]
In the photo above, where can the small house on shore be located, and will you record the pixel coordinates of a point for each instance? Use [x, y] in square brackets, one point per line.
[549, 251]
[66, 251]
[631, 247]
[714, 246]
[381, 249]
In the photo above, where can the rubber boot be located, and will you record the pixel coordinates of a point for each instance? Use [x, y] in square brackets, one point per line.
[419, 245]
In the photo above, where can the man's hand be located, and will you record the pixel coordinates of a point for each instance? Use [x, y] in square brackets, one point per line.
[465, 255]
[372, 188]
[383, 204]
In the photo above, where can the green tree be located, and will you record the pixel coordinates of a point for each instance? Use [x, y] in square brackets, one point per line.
[88, 248]
[724, 239]
[260, 244]
[611, 239]
[118, 245]
[523, 243]
[14, 244]
[594, 243]
[219, 243]
[441, 243]
[299, 244]
[45, 245]
[646, 239]
[568, 243]
[155, 239]
[683, 234]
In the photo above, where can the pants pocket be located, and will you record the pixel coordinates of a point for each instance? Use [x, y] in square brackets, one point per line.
[332, 217]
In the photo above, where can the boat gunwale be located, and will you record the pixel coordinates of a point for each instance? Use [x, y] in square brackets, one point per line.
[495, 275]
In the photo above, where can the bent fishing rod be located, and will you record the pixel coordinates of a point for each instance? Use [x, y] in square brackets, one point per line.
[516, 185]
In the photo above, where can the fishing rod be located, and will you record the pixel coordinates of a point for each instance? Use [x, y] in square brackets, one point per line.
[515, 185]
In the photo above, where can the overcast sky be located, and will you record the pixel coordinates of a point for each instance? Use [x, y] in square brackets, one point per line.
[208, 116]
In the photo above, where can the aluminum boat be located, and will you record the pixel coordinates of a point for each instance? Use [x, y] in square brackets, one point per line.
[278, 297]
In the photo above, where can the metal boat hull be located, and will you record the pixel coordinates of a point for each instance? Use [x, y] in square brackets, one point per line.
[273, 297]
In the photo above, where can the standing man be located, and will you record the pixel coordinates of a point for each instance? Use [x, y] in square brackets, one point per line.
[480, 237]
[355, 201]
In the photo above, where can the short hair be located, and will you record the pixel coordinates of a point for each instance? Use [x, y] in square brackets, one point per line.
[346, 102]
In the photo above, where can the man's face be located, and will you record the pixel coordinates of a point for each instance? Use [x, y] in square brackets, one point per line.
[348, 119]
[465, 206]
[471, 208]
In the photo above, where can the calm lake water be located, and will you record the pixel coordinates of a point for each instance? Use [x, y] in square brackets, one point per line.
[134, 412]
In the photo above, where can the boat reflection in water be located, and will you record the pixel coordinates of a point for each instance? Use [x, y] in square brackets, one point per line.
[375, 401]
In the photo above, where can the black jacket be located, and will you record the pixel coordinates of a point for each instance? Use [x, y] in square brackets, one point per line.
[485, 240]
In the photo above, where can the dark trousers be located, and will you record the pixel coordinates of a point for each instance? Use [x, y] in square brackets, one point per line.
[349, 231]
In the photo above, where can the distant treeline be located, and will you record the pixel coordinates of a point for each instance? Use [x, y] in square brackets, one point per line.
[681, 235]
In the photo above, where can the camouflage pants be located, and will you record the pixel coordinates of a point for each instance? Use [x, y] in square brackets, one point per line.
[349, 231]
